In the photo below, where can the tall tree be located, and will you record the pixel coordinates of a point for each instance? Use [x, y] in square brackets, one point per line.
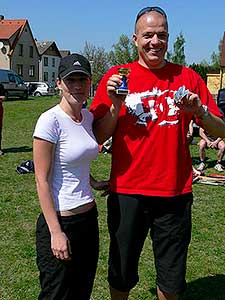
[216, 57]
[178, 55]
[123, 52]
[201, 69]
[99, 60]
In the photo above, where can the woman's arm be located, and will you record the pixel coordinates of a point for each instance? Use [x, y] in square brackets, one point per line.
[43, 152]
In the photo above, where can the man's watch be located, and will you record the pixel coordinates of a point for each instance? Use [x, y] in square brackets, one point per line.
[205, 112]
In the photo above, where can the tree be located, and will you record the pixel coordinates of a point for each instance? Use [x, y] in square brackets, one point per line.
[99, 61]
[178, 55]
[124, 51]
[201, 69]
[215, 57]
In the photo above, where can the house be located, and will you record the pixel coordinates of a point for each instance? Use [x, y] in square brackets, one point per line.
[216, 81]
[65, 52]
[18, 50]
[49, 61]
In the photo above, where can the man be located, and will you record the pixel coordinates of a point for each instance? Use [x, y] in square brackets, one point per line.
[209, 141]
[2, 98]
[151, 176]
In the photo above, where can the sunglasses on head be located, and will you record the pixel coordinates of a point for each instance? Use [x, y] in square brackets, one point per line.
[148, 9]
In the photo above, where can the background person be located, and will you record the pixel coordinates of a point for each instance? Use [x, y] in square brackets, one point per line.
[190, 134]
[210, 142]
[151, 176]
[2, 98]
[67, 229]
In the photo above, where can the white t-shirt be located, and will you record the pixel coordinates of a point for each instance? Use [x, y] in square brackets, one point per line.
[75, 148]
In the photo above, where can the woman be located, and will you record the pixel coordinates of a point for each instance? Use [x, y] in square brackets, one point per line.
[67, 229]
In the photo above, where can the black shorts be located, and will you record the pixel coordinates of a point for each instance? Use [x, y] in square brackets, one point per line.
[130, 217]
[73, 279]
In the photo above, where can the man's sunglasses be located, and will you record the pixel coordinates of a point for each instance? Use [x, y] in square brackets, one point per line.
[148, 9]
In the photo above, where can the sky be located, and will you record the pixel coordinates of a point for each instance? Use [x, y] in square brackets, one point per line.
[71, 23]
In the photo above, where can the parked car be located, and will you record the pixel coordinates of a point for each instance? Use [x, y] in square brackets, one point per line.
[13, 84]
[40, 89]
[221, 100]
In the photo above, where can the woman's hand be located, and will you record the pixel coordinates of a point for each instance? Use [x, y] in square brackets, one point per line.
[60, 246]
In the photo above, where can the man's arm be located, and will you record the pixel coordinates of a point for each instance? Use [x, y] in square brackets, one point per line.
[211, 123]
[104, 127]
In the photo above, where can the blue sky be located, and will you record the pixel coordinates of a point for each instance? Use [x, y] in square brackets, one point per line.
[70, 23]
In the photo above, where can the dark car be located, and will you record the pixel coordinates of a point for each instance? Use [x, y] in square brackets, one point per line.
[12, 84]
[221, 100]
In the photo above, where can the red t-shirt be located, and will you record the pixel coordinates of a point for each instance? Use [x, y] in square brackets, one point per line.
[150, 153]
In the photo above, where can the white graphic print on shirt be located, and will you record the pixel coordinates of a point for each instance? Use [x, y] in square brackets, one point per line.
[149, 105]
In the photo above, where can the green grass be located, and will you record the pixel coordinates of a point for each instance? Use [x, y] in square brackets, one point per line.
[19, 210]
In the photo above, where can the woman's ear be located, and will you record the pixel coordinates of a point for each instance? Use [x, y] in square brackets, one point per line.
[58, 82]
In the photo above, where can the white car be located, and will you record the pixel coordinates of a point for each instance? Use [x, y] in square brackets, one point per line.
[40, 89]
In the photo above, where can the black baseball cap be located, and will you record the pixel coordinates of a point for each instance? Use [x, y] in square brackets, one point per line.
[74, 63]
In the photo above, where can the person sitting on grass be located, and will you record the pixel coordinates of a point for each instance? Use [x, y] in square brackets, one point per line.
[209, 141]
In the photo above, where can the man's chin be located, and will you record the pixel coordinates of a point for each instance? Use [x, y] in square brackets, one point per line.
[155, 61]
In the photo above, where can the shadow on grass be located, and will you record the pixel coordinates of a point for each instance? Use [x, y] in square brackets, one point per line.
[210, 163]
[18, 149]
[11, 99]
[207, 288]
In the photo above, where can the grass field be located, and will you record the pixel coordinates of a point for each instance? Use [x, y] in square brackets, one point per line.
[19, 210]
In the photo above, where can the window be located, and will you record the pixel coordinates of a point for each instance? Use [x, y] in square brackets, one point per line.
[20, 49]
[20, 70]
[31, 70]
[31, 51]
[11, 78]
[53, 76]
[45, 61]
[18, 80]
[53, 62]
[45, 76]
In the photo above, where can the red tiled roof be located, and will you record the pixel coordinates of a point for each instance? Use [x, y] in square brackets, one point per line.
[6, 31]
[10, 27]
[222, 62]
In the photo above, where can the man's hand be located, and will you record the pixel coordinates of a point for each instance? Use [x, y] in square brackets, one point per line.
[112, 84]
[191, 103]
[2, 98]
[214, 144]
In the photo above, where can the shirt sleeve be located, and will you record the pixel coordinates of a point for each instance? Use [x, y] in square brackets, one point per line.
[46, 128]
[101, 102]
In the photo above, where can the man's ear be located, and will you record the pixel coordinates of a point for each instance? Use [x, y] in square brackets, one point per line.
[135, 39]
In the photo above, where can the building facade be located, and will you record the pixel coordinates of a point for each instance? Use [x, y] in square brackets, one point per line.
[49, 61]
[18, 50]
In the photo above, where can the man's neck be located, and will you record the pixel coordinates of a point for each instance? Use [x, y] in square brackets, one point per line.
[153, 67]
